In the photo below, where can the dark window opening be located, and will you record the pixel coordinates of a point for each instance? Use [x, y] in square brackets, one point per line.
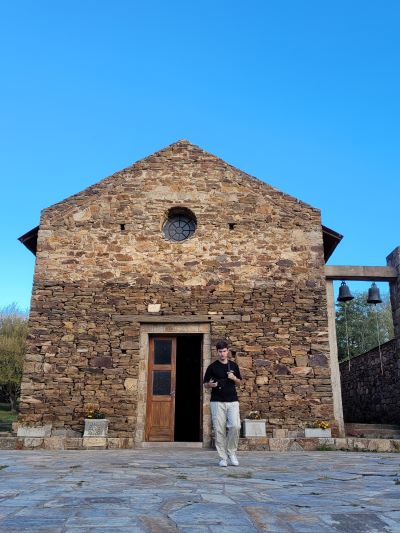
[161, 382]
[122, 226]
[179, 225]
[162, 351]
[232, 225]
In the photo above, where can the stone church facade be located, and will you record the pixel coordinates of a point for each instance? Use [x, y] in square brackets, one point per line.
[139, 275]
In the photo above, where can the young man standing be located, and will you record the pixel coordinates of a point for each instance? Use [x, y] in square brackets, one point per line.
[221, 377]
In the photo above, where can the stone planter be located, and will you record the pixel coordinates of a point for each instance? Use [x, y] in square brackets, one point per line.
[318, 433]
[254, 428]
[95, 427]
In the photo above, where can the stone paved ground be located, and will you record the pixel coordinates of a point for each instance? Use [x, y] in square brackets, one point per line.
[159, 490]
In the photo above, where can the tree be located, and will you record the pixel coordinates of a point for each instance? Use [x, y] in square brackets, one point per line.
[13, 331]
[361, 325]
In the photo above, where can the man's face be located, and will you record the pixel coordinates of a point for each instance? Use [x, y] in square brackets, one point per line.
[223, 354]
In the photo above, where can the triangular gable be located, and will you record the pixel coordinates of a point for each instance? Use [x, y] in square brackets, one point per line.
[170, 153]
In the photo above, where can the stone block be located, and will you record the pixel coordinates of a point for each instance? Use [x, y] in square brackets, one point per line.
[295, 434]
[280, 433]
[34, 431]
[341, 443]
[301, 360]
[280, 445]
[53, 443]
[95, 427]
[120, 443]
[296, 447]
[301, 370]
[130, 384]
[254, 428]
[32, 442]
[244, 362]
[73, 443]
[317, 433]
[262, 380]
[380, 445]
[8, 443]
[308, 444]
[94, 442]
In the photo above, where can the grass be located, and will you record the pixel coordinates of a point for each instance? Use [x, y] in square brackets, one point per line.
[6, 415]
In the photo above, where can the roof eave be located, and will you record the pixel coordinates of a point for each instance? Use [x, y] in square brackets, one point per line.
[29, 239]
[331, 239]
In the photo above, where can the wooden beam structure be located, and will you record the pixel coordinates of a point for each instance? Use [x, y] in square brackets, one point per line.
[360, 273]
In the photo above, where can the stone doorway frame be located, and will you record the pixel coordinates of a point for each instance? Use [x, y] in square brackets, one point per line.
[348, 273]
[174, 326]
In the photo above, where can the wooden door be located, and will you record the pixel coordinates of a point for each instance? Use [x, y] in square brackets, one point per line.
[160, 415]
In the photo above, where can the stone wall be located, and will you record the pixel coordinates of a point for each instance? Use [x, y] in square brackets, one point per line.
[393, 260]
[368, 396]
[257, 255]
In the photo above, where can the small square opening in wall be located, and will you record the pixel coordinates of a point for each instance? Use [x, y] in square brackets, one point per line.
[232, 225]
[122, 227]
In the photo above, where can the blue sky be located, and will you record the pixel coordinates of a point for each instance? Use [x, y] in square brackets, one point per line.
[302, 94]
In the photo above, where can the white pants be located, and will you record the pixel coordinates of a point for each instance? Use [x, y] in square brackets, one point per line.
[225, 415]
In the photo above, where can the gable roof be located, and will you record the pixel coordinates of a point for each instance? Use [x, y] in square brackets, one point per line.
[171, 152]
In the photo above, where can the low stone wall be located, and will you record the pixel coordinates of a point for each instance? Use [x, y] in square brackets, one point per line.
[256, 444]
[367, 395]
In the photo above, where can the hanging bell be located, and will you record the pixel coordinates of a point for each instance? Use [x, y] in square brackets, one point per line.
[344, 293]
[374, 296]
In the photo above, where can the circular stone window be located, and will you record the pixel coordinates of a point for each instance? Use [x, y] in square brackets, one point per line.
[180, 225]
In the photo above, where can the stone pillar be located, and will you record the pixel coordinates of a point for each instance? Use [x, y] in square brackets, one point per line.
[393, 260]
[334, 359]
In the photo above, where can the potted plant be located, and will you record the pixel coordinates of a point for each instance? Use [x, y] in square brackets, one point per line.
[96, 424]
[319, 429]
[254, 425]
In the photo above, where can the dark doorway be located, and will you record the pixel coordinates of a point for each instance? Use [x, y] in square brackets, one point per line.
[188, 399]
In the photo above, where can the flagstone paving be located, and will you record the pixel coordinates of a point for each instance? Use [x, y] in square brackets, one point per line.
[164, 490]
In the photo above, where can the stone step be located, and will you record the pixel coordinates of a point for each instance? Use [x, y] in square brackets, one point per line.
[8, 443]
[177, 444]
[383, 431]
[372, 426]
[246, 444]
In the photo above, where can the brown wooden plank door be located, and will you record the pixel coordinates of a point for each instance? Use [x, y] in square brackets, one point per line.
[160, 414]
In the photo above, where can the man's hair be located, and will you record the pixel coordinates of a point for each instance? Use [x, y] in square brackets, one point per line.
[221, 345]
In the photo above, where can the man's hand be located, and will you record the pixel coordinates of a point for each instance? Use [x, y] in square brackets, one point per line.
[212, 384]
[231, 375]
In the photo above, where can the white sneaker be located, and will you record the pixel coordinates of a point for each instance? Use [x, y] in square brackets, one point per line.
[233, 460]
[223, 462]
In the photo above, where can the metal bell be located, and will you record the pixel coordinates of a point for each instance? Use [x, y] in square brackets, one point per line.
[374, 296]
[344, 293]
